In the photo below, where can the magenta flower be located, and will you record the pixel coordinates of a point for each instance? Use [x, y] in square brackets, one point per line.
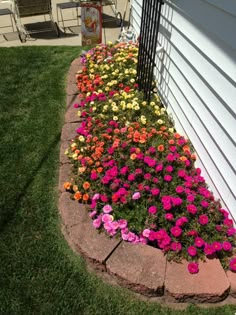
[155, 191]
[226, 246]
[159, 168]
[179, 189]
[217, 246]
[167, 178]
[192, 209]
[192, 251]
[107, 218]
[124, 170]
[176, 231]
[190, 198]
[231, 231]
[169, 169]
[152, 210]
[131, 177]
[136, 195]
[228, 222]
[103, 198]
[181, 173]
[176, 247]
[167, 206]
[193, 267]
[232, 264]
[169, 216]
[203, 219]
[199, 242]
[93, 175]
[204, 203]
[155, 180]
[208, 249]
[147, 176]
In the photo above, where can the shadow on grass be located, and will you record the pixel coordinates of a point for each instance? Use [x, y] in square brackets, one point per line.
[8, 215]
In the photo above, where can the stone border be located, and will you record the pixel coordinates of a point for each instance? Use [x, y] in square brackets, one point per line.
[141, 268]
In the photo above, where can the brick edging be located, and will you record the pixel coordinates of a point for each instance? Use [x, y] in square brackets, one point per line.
[141, 268]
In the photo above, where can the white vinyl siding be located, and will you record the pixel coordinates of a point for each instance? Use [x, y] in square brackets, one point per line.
[196, 76]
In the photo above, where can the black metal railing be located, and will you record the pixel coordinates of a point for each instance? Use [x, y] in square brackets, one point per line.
[150, 21]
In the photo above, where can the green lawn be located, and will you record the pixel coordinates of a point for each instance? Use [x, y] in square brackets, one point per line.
[39, 274]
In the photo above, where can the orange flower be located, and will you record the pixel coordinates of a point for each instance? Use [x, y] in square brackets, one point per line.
[133, 156]
[186, 148]
[75, 188]
[183, 158]
[97, 163]
[77, 195]
[86, 185]
[99, 169]
[161, 148]
[177, 135]
[193, 156]
[85, 197]
[95, 139]
[171, 141]
[163, 128]
[67, 185]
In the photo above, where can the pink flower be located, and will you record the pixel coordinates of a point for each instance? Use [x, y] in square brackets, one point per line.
[169, 216]
[96, 196]
[107, 209]
[152, 210]
[176, 247]
[92, 214]
[232, 264]
[176, 231]
[227, 246]
[167, 178]
[199, 242]
[172, 148]
[193, 267]
[176, 201]
[179, 189]
[136, 195]
[97, 223]
[107, 218]
[122, 223]
[203, 219]
[181, 221]
[146, 233]
[155, 191]
[192, 251]
[192, 209]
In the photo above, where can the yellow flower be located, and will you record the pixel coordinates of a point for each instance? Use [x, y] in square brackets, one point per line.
[66, 152]
[144, 103]
[81, 138]
[132, 80]
[160, 122]
[171, 130]
[115, 118]
[152, 104]
[157, 107]
[115, 109]
[107, 89]
[94, 108]
[136, 107]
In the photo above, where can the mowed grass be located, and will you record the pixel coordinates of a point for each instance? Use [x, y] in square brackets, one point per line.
[39, 274]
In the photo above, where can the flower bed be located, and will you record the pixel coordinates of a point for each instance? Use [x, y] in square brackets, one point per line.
[136, 172]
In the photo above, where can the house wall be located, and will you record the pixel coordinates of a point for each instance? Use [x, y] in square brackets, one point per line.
[196, 76]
